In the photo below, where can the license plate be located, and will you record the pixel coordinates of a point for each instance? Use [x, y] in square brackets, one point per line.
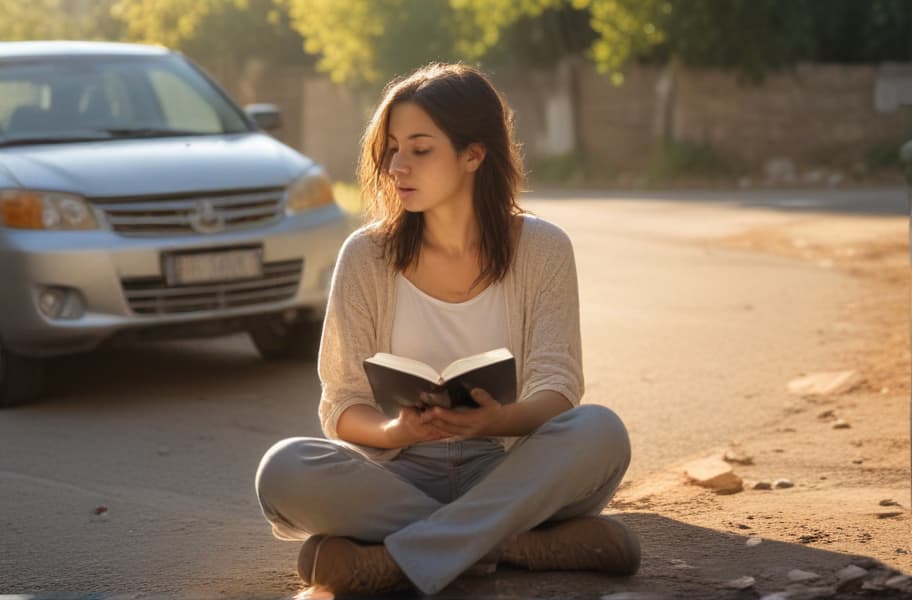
[229, 265]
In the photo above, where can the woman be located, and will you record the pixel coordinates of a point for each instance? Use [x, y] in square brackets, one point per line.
[450, 266]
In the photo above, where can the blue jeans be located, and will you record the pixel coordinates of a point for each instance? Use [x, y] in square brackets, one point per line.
[440, 507]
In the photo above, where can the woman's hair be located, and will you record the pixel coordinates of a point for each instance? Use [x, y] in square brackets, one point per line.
[464, 104]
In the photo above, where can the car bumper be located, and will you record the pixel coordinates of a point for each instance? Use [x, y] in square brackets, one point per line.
[105, 269]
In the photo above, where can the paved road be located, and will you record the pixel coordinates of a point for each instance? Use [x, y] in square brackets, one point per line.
[692, 345]
[858, 201]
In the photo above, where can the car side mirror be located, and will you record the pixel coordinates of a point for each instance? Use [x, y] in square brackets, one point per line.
[266, 116]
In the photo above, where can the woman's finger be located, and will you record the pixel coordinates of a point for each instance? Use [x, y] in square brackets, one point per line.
[482, 397]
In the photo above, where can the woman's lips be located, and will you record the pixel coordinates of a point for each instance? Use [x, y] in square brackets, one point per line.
[404, 192]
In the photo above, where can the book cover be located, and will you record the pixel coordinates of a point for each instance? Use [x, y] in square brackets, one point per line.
[397, 381]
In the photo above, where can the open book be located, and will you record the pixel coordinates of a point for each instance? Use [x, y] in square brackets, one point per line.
[398, 381]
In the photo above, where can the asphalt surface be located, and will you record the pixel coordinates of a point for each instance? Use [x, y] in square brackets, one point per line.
[134, 477]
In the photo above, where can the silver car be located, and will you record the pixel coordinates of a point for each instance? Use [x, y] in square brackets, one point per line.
[138, 202]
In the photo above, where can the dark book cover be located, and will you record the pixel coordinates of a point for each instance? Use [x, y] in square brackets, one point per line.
[394, 388]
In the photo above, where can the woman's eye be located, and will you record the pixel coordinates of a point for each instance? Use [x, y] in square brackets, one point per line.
[419, 152]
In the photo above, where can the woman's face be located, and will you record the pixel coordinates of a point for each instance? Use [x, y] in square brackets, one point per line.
[427, 170]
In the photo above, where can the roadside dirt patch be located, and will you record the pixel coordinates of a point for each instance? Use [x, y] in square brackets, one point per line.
[846, 457]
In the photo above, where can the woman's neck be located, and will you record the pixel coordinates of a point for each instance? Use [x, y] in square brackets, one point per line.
[452, 230]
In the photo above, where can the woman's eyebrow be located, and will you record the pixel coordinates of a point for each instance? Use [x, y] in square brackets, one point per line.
[414, 135]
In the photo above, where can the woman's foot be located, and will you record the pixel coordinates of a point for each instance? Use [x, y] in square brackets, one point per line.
[343, 566]
[580, 544]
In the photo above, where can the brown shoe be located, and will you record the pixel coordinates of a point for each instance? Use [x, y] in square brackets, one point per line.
[343, 566]
[580, 544]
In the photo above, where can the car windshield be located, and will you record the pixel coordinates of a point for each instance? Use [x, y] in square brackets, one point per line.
[59, 100]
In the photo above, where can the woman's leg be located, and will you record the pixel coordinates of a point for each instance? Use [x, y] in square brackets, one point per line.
[578, 455]
[315, 486]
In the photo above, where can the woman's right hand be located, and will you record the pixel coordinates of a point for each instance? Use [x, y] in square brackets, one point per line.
[411, 428]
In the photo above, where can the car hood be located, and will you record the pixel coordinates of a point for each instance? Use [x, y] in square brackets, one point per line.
[152, 166]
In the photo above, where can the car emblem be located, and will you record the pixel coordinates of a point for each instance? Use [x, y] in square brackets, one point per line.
[206, 218]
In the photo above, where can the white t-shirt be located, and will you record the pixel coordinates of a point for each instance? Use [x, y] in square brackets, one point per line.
[437, 332]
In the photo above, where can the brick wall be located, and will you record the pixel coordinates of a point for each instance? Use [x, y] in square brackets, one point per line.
[813, 115]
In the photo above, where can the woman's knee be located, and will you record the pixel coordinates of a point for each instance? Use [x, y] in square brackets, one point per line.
[287, 463]
[601, 430]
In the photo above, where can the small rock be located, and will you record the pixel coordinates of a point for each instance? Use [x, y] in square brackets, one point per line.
[715, 474]
[732, 456]
[783, 484]
[763, 485]
[888, 502]
[849, 575]
[753, 541]
[827, 414]
[825, 384]
[100, 510]
[677, 563]
[743, 526]
[840, 424]
[857, 461]
[741, 583]
[898, 582]
[800, 592]
[871, 586]
[856, 443]
[799, 576]
[889, 514]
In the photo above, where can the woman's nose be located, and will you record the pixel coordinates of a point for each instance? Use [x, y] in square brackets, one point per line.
[397, 166]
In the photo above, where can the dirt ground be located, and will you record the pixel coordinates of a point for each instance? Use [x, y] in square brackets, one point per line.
[167, 437]
[851, 489]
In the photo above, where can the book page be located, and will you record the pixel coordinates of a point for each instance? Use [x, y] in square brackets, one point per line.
[406, 365]
[469, 363]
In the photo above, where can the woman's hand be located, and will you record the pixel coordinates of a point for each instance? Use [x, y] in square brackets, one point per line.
[465, 424]
[410, 428]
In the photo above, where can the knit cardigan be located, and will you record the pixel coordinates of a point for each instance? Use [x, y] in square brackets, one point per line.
[543, 324]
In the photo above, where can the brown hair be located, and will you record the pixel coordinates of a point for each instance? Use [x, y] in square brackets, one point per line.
[464, 104]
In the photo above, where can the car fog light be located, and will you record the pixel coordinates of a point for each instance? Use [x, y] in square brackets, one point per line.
[61, 303]
[51, 302]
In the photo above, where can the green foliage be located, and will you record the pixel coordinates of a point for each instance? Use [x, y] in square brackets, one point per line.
[558, 169]
[57, 20]
[755, 37]
[684, 160]
[372, 40]
[885, 156]
[237, 29]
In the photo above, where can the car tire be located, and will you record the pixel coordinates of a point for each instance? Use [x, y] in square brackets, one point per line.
[277, 339]
[21, 378]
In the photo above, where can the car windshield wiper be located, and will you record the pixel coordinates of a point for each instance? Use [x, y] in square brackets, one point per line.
[55, 139]
[141, 132]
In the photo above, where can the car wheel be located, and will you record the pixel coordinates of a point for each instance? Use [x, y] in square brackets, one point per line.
[277, 339]
[21, 378]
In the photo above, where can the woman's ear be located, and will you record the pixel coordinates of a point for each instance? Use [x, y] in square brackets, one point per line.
[474, 156]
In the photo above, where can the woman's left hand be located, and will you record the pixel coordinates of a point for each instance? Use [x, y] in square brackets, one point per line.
[465, 424]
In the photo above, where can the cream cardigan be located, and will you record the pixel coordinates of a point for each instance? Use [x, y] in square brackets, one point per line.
[543, 322]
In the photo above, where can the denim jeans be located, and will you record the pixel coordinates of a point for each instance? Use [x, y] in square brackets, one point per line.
[440, 507]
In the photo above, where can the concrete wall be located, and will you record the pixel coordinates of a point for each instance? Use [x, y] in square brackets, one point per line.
[814, 115]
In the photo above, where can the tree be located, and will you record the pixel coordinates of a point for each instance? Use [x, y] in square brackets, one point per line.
[372, 40]
[234, 29]
[56, 19]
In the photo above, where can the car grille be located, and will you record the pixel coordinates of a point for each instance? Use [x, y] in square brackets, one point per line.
[279, 282]
[193, 215]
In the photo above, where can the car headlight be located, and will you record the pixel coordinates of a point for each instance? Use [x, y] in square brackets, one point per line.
[21, 209]
[308, 192]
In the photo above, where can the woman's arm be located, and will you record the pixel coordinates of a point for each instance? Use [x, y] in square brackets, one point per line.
[365, 425]
[496, 420]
